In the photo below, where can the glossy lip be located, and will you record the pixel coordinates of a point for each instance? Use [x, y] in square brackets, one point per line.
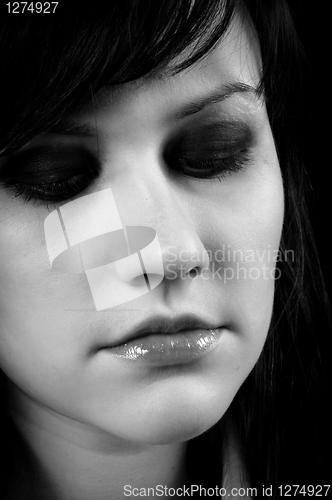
[172, 349]
[167, 341]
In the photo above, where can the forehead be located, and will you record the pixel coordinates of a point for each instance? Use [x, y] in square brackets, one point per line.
[236, 58]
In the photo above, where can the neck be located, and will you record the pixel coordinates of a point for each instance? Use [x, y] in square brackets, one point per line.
[72, 460]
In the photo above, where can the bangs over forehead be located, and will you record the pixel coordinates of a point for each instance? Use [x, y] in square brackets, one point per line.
[60, 61]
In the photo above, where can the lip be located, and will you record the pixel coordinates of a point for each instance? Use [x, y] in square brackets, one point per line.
[169, 349]
[167, 340]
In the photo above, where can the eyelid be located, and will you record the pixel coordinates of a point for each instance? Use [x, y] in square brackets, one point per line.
[47, 160]
[228, 128]
[224, 131]
[205, 139]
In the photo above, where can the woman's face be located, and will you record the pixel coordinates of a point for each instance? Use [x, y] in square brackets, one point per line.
[191, 158]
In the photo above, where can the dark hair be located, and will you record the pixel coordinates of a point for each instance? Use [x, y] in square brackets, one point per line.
[53, 65]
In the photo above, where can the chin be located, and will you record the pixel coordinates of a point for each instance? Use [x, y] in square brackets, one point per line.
[174, 422]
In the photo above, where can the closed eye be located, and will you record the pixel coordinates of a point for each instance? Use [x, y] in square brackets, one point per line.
[50, 173]
[210, 151]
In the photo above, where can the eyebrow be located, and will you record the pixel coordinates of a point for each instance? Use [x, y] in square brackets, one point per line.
[216, 96]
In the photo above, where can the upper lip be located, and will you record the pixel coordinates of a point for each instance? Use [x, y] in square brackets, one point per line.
[166, 325]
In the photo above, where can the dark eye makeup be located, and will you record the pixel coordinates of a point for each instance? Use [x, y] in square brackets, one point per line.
[212, 151]
[55, 173]
[50, 173]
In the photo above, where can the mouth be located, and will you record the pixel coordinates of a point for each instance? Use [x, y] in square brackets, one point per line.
[168, 341]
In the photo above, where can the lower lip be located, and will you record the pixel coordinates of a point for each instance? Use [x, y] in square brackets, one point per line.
[169, 349]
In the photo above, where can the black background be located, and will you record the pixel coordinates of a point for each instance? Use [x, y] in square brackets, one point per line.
[317, 143]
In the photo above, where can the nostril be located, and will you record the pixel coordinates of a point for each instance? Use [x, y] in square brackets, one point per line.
[129, 269]
[140, 281]
[145, 263]
[194, 272]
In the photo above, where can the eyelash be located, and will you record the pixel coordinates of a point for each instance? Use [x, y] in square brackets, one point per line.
[59, 191]
[219, 167]
[50, 192]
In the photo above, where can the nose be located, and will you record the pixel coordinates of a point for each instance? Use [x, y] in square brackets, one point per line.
[175, 252]
[184, 253]
[87, 235]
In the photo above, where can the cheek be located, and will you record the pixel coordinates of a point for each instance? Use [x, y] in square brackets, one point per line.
[247, 229]
[259, 228]
[34, 323]
[29, 286]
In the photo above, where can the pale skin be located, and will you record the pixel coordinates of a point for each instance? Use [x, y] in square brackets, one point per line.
[96, 423]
